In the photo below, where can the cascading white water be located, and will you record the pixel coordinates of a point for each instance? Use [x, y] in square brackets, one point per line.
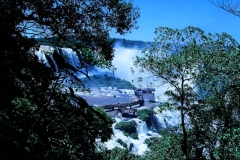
[40, 53]
[70, 57]
[123, 61]
[141, 127]
[123, 71]
[165, 119]
[139, 147]
[67, 53]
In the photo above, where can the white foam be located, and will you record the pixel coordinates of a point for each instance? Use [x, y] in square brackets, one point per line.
[139, 147]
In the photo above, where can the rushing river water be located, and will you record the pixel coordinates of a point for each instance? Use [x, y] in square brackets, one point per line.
[108, 95]
[160, 120]
[139, 147]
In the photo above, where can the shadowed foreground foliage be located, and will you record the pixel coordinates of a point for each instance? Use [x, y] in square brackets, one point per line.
[39, 118]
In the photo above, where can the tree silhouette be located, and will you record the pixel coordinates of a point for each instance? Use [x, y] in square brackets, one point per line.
[38, 118]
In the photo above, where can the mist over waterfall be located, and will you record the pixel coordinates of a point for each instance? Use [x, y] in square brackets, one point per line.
[123, 61]
[165, 119]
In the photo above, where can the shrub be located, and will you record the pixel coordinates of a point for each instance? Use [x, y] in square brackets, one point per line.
[122, 143]
[165, 147]
[152, 101]
[145, 115]
[118, 154]
[134, 136]
[128, 129]
[131, 146]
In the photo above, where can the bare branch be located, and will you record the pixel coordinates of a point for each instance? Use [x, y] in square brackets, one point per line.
[228, 5]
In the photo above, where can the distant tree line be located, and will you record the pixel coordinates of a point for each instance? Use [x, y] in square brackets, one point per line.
[106, 80]
[118, 42]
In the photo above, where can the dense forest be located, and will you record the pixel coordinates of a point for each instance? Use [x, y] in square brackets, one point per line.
[38, 119]
[41, 120]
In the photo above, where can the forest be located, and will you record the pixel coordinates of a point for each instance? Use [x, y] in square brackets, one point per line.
[41, 120]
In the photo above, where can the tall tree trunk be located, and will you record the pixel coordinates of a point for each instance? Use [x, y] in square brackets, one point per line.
[184, 140]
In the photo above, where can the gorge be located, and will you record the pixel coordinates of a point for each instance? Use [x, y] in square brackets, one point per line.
[110, 94]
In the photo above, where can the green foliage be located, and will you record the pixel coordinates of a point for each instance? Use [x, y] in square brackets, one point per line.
[231, 150]
[130, 43]
[128, 128]
[166, 147]
[118, 154]
[189, 58]
[105, 80]
[145, 115]
[152, 101]
[133, 135]
[39, 119]
[122, 143]
[174, 58]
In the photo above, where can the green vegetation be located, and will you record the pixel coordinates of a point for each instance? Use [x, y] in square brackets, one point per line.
[130, 43]
[38, 119]
[122, 143]
[105, 80]
[128, 128]
[118, 154]
[118, 42]
[188, 58]
[145, 115]
[152, 101]
[166, 147]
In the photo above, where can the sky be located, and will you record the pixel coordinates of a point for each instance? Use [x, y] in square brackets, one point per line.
[178, 14]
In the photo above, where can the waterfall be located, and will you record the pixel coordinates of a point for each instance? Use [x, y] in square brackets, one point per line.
[69, 55]
[139, 147]
[166, 118]
[123, 71]
[141, 127]
[123, 66]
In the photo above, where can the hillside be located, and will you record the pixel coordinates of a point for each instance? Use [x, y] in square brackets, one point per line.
[106, 80]
[118, 42]
[130, 43]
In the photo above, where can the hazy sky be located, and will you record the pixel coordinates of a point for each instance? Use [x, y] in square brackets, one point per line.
[179, 14]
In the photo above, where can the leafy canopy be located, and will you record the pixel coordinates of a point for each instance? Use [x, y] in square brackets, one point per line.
[203, 71]
[39, 119]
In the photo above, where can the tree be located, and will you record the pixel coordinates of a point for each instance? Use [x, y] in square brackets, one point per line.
[38, 118]
[202, 70]
[174, 58]
[220, 84]
[118, 154]
[166, 147]
[228, 6]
